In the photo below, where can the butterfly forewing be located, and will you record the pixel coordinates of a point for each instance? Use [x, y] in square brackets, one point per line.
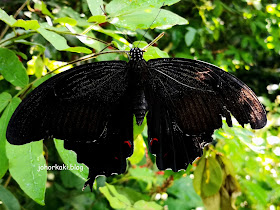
[224, 93]
[90, 105]
[187, 101]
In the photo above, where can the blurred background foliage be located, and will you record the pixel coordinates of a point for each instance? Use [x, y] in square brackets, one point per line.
[241, 170]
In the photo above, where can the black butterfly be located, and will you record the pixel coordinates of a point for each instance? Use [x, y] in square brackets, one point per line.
[91, 107]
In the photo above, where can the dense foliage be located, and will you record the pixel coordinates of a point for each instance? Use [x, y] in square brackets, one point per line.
[240, 170]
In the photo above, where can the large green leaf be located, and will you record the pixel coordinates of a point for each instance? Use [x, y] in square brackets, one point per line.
[118, 7]
[10, 20]
[134, 19]
[69, 157]
[95, 7]
[4, 120]
[26, 165]
[9, 201]
[12, 69]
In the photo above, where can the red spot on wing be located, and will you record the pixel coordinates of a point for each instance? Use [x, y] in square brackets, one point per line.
[160, 172]
[154, 139]
[127, 142]
[116, 158]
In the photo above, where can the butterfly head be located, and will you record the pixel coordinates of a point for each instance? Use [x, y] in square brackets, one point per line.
[136, 54]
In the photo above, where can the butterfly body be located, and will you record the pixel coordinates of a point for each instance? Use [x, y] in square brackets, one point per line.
[137, 69]
[91, 107]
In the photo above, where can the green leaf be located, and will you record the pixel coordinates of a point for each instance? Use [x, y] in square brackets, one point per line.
[65, 20]
[26, 167]
[142, 174]
[116, 200]
[12, 69]
[139, 150]
[139, 205]
[10, 20]
[189, 199]
[212, 202]
[208, 177]
[218, 8]
[87, 41]
[189, 37]
[256, 191]
[134, 19]
[27, 24]
[69, 12]
[97, 18]
[4, 120]
[79, 50]
[39, 66]
[70, 180]
[40, 5]
[95, 7]
[22, 55]
[70, 159]
[59, 42]
[9, 201]
[132, 194]
[118, 7]
[5, 98]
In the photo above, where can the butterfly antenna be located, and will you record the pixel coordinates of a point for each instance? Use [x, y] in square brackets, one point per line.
[150, 25]
[154, 41]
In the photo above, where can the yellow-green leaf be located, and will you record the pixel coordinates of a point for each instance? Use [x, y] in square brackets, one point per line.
[27, 24]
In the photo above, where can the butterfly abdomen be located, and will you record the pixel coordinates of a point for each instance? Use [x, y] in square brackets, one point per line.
[140, 106]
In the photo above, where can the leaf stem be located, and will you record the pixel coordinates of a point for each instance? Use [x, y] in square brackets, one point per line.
[8, 181]
[17, 37]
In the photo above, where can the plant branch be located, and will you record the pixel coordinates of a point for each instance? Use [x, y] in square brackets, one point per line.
[15, 15]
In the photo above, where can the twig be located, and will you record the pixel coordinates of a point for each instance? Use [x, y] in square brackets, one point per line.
[15, 15]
